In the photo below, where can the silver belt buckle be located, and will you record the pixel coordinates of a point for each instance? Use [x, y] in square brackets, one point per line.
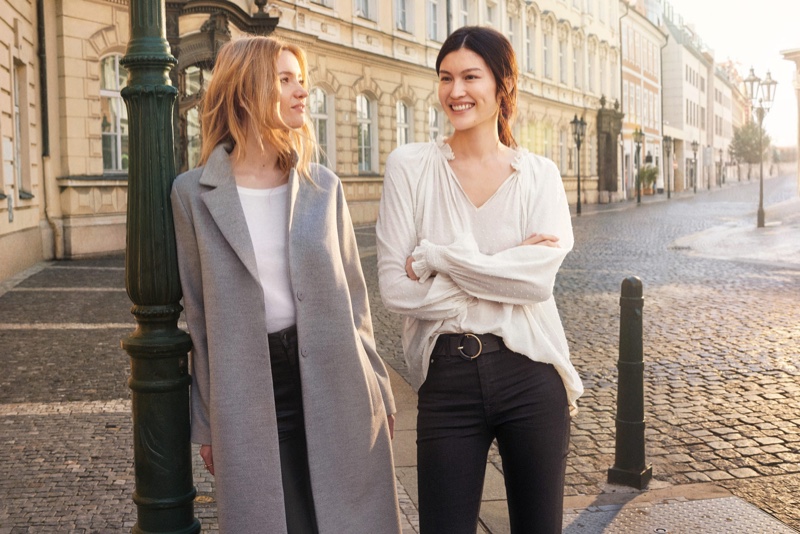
[469, 357]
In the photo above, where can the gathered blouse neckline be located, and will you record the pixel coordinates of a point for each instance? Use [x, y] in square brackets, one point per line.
[447, 151]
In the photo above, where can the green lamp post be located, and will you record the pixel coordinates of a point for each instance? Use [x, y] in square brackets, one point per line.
[159, 382]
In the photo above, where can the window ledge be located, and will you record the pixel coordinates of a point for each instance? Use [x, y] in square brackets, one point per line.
[107, 176]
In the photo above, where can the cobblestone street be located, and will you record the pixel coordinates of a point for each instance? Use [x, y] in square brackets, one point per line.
[722, 376]
[721, 350]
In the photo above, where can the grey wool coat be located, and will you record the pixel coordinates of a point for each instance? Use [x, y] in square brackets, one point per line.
[346, 391]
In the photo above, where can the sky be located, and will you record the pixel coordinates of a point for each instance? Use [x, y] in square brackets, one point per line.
[753, 33]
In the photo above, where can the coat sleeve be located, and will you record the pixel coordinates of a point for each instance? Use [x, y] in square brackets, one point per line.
[192, 287]
[524, 274]
[433, 299]
[359, 299]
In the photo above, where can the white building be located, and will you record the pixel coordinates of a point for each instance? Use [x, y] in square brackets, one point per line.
[642, 44]
[687, 90]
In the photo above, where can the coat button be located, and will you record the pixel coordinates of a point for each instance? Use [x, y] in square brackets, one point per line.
[300, 295]
[304, 353]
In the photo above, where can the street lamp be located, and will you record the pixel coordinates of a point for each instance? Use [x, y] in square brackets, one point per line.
[638, 136]
[668, 151]
[578, 131]
[761, 93]
[695, 146]
[721, 179]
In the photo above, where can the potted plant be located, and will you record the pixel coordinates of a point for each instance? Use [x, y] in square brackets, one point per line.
[648, 176]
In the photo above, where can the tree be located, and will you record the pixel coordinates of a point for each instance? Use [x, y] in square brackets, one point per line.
[745, 144]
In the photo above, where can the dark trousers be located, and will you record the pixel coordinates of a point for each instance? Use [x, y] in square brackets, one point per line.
[465, 405]
[297, 497]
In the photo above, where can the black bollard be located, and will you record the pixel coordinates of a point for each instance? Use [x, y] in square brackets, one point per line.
[630, 467]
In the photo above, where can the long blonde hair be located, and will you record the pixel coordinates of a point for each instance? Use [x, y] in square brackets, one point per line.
[244, 93]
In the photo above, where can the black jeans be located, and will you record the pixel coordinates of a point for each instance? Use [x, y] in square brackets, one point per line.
[297, 497]
[463, 406]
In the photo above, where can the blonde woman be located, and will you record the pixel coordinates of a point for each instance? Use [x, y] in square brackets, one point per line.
[290, 401]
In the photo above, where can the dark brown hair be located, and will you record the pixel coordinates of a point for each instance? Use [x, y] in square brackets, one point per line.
[497, 52]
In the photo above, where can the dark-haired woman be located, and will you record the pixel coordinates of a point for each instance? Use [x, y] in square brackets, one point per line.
[471, 233]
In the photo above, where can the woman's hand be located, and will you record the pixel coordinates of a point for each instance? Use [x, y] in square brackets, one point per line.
[409, 271]
[390, 420]
[208, 458]
[546, 240]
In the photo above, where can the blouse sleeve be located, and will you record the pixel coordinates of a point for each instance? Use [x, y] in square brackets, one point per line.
[524, 274]
[436, 298]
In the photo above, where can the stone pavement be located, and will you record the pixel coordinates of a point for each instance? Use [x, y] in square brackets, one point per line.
[721, 351]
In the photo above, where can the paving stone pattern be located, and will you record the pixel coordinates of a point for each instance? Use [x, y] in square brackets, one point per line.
[721, 371]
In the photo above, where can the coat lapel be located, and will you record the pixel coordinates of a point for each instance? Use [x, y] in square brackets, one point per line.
[223, 203]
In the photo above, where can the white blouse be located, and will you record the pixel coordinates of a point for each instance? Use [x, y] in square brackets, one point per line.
[485, 283]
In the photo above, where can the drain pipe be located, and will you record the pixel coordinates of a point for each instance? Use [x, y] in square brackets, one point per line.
[52, 200]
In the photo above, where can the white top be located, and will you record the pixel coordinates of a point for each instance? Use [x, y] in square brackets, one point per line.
[486, 283]
[266, 211]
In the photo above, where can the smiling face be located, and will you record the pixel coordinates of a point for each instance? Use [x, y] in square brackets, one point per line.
[293, 90]
[468, 91]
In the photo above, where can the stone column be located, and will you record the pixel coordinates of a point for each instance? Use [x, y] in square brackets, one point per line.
[794, 55]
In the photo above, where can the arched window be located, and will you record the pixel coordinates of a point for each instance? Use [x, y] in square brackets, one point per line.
[530, 46]
[365, 116]
[194, 80]
[320, 105]
[113, 77]
[404, 123]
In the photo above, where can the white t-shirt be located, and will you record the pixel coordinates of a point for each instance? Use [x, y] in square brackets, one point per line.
[266, 212]
[485, 283]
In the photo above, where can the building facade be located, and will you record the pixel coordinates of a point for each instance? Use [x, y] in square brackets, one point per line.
[23, 217]
[64, 125]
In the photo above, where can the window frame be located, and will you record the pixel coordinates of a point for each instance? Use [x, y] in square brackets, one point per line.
[547, 45]
[435, 127]
[403, 16]
[327, 154]
[365, 9]
[405, 126]
[433, 28]
[463, 13]
[369, 153]
[115, 98]
[530, 47]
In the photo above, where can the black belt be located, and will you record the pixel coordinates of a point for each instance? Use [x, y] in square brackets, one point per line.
[468, 346]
